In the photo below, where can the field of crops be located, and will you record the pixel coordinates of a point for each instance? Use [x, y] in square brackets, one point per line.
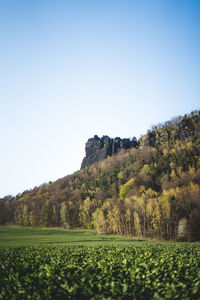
[136, 270]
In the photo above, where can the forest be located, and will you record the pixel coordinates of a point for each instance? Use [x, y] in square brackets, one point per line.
[150, 191]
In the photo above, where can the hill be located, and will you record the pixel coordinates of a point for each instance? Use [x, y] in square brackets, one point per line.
[150, 188]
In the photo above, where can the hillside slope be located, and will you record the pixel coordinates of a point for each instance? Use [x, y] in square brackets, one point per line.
[152, 190]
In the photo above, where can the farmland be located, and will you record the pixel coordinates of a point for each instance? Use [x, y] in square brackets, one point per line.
[57, 264]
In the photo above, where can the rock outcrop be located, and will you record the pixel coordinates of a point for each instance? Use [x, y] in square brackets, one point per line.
[185, 129]
[98, 149]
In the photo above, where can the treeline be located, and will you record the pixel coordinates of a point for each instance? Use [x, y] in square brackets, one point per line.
[152, 191]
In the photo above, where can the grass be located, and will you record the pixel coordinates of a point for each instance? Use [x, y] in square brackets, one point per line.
[30, 236]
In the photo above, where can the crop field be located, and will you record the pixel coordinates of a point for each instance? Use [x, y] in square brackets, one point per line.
[59, 264]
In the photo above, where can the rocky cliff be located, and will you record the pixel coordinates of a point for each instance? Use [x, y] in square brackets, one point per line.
[98, 149]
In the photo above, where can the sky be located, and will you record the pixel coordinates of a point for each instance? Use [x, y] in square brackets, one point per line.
[70, 69]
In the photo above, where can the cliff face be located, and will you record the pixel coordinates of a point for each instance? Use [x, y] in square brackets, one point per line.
[98, 149]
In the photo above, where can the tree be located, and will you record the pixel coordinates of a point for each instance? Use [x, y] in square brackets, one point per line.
[86, 211]
[125, 188]
[64, 216]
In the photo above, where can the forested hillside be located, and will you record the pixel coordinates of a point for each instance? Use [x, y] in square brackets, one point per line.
[152, 190]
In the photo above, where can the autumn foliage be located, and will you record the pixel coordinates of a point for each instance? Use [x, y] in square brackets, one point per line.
[151, 191]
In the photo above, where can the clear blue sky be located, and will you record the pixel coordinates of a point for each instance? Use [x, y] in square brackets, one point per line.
[70, 69]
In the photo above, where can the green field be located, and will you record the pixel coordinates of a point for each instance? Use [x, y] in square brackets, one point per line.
[29, 236]
[57, 264]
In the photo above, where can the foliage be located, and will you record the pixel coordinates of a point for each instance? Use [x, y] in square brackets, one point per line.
[142, 270]
[145, 191]
[124, 189]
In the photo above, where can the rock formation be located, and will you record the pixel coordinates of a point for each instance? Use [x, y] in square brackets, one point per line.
[185, 129]
[98, 149]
